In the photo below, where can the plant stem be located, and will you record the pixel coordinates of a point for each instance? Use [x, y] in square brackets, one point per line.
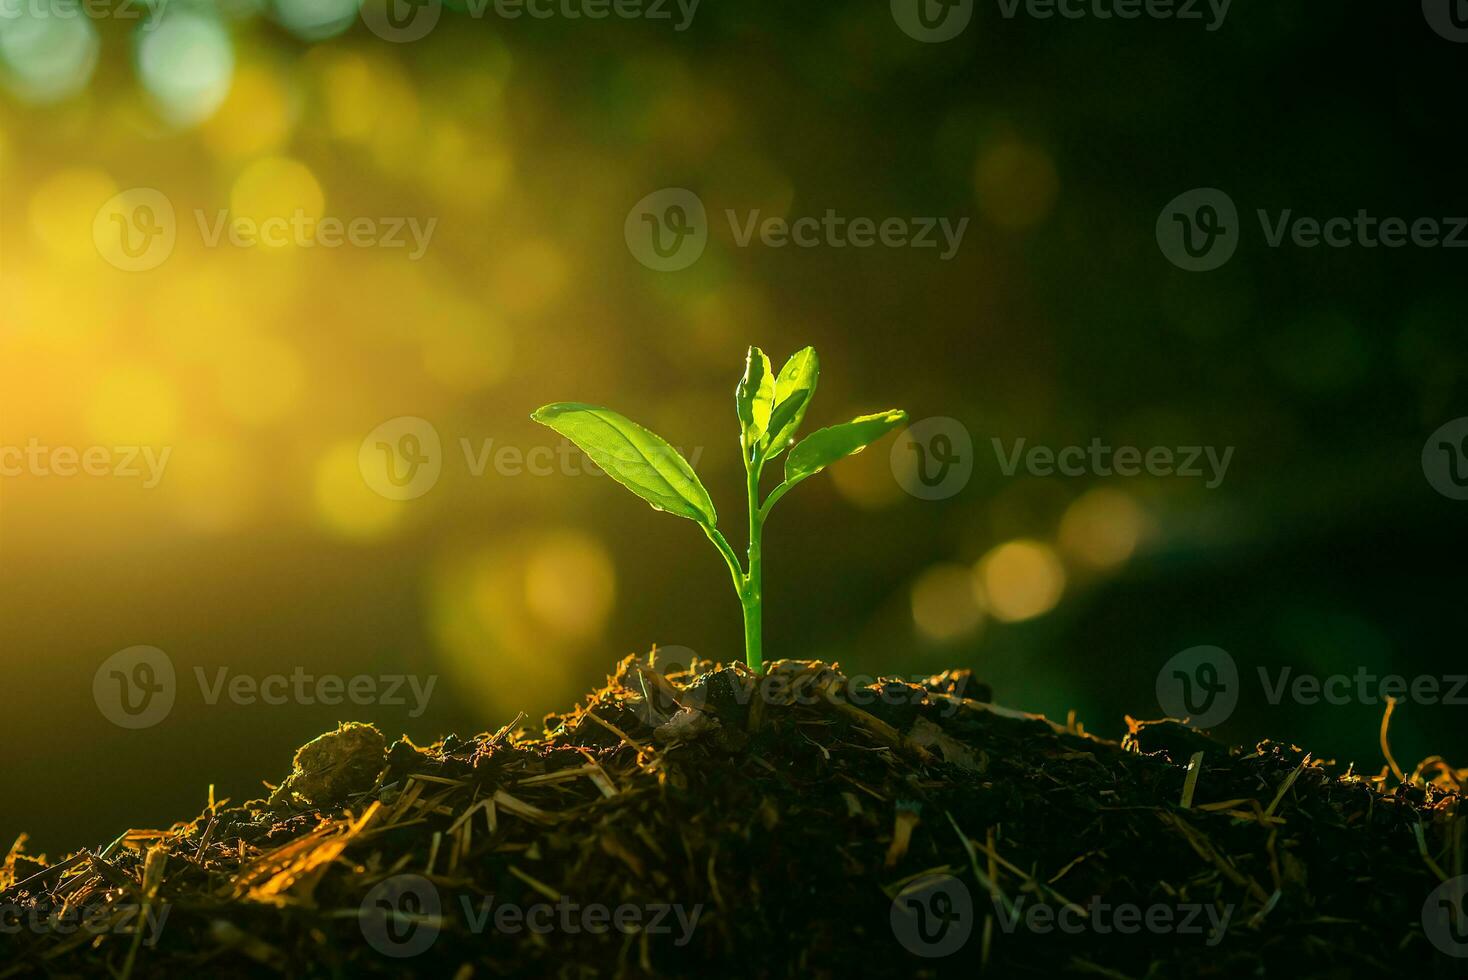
[752, 595]
[730, 558]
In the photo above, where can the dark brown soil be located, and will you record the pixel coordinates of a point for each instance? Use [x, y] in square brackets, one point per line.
[794, 826]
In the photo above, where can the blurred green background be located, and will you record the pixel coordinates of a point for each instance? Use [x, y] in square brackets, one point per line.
[263, 369]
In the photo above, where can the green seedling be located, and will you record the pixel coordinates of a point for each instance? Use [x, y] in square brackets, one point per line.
[770, 409]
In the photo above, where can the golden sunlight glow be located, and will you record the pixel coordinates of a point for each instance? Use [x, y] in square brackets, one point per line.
[176, 318]
[63, 208]
[463, 167]
[492, 648]
[945, 604]
[866, 479]
[529, 276]
[345, 504]
[277, 188]
[345, 83]
[260, 380]
[1101, 528]
[1020, 580]
[467, 350]
[570, 584]
[133, 406]
[216, 486]
[255, 117]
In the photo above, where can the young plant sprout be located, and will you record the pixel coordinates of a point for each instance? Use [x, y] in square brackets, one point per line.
[770, 409]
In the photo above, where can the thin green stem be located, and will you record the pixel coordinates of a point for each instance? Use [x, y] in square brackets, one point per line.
[730, 558]
[775, 495]
[752, 596]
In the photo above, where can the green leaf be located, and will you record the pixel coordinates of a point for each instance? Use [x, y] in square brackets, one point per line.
[824, 446]
[794, 389]
[636, 458]
[755, 396]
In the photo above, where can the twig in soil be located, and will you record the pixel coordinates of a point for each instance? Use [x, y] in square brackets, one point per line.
[1386, 749]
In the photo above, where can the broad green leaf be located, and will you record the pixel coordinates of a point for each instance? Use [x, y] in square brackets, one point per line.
[755, 396]
[636, 458]
[825, 446]
[794, 388]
